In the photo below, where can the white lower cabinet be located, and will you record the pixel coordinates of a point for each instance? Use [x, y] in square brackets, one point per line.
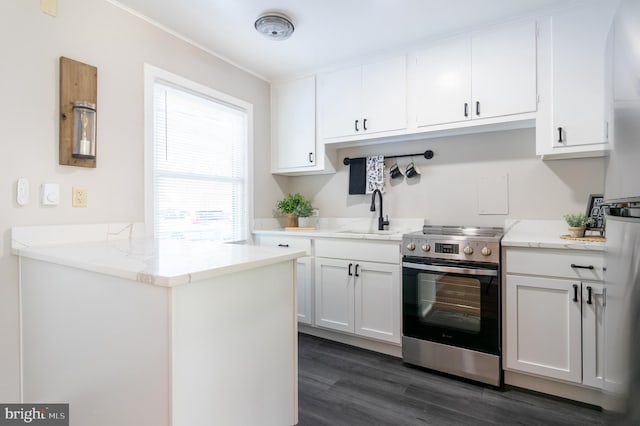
[304, 284]
[357, 288]
[304, 267]
[350, 286]
[554, 325]
[358, 297]
[593, 334]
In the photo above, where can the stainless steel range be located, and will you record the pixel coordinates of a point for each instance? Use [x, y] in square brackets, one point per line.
[451, 301]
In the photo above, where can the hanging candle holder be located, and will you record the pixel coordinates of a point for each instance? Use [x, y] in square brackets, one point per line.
[84, 130]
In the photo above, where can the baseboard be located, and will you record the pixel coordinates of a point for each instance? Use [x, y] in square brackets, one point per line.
[360, 342]
[563, 390]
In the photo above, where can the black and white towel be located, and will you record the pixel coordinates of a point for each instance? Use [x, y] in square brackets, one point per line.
[375, 173]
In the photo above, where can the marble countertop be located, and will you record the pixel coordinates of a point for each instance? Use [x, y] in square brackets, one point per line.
[543, 234]
[347, 228]
[337, 233]
[159, 262]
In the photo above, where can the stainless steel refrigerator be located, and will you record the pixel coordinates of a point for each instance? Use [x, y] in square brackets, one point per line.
[622, 194]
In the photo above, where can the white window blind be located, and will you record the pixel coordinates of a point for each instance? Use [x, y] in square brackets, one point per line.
[199, 176]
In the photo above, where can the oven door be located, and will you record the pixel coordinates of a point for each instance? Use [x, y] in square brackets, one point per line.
[452, 303]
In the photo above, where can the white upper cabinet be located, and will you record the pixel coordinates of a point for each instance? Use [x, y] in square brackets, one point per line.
[490, 74]
[384, 95]
[442, 83]
[503, 70]
[574, 74]
[295, 122]
[294, 148]
[363, 100]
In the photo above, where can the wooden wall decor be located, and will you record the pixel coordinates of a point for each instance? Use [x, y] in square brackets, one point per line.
[78, 83]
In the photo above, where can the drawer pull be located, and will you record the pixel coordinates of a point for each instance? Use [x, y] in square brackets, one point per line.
[357, 266]
[575, 292]
[589, 291]
[573, 265]
[283, 245]
[350, 265]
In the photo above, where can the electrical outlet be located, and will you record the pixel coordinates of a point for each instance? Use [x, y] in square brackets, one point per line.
[79, 197]
[49, 7]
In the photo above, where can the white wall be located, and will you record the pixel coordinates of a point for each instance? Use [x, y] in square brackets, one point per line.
[447, 191]
[118, 44]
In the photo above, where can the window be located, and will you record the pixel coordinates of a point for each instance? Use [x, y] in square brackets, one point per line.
[197, 150]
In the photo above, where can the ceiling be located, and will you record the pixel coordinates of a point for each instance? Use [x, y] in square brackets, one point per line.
[326, 31]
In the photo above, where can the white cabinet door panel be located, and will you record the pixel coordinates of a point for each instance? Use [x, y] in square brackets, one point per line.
[341, 101]
[503, 69]
[592, 334]
[544, 327]
[579, 40]
[334, 300]
[442, 83]
[384, 95]
[377, 301]
[304, 265]
[294, 105]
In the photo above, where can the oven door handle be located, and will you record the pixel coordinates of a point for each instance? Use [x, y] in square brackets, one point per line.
[451, 269]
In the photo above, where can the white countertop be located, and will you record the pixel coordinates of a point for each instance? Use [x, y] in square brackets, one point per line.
[543, 234]
[347, 228]
[336, 233]
[159, 262]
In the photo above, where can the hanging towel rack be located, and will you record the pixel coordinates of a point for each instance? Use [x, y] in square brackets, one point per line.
[428, 154]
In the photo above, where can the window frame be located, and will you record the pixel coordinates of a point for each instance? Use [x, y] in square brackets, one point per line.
[153, 74]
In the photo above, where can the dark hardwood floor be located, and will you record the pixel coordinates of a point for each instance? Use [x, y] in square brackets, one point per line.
[343, 385]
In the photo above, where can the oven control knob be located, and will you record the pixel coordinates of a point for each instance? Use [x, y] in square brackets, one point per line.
[468, 250]
[411, 246]
[486, 251]
[426, 247]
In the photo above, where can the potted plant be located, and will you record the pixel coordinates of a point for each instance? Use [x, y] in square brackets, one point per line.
[294, 206]
[577, 224]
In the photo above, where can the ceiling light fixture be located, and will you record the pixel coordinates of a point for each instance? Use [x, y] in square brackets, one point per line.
[274, 26]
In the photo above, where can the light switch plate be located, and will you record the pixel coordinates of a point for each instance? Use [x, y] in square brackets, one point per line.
[50, 194]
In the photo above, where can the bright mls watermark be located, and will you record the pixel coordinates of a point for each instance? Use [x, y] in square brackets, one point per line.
[34, 414]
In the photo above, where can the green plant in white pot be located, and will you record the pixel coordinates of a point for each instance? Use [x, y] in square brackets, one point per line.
[577, 224]
[294, 206]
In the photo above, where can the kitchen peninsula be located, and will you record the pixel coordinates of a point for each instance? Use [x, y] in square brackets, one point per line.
[140, 331]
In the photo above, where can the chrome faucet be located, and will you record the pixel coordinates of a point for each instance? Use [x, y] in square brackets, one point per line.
[381, 221]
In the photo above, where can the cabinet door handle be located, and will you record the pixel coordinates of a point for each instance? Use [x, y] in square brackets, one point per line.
[477, 108]
[357, 130]
[575, 292]
[573, 265]
[350, 265]
[560, 135]
[311, 157]
[466, 109]
[364, 124]
[283, 245]
[357, 266]
[589, 290]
